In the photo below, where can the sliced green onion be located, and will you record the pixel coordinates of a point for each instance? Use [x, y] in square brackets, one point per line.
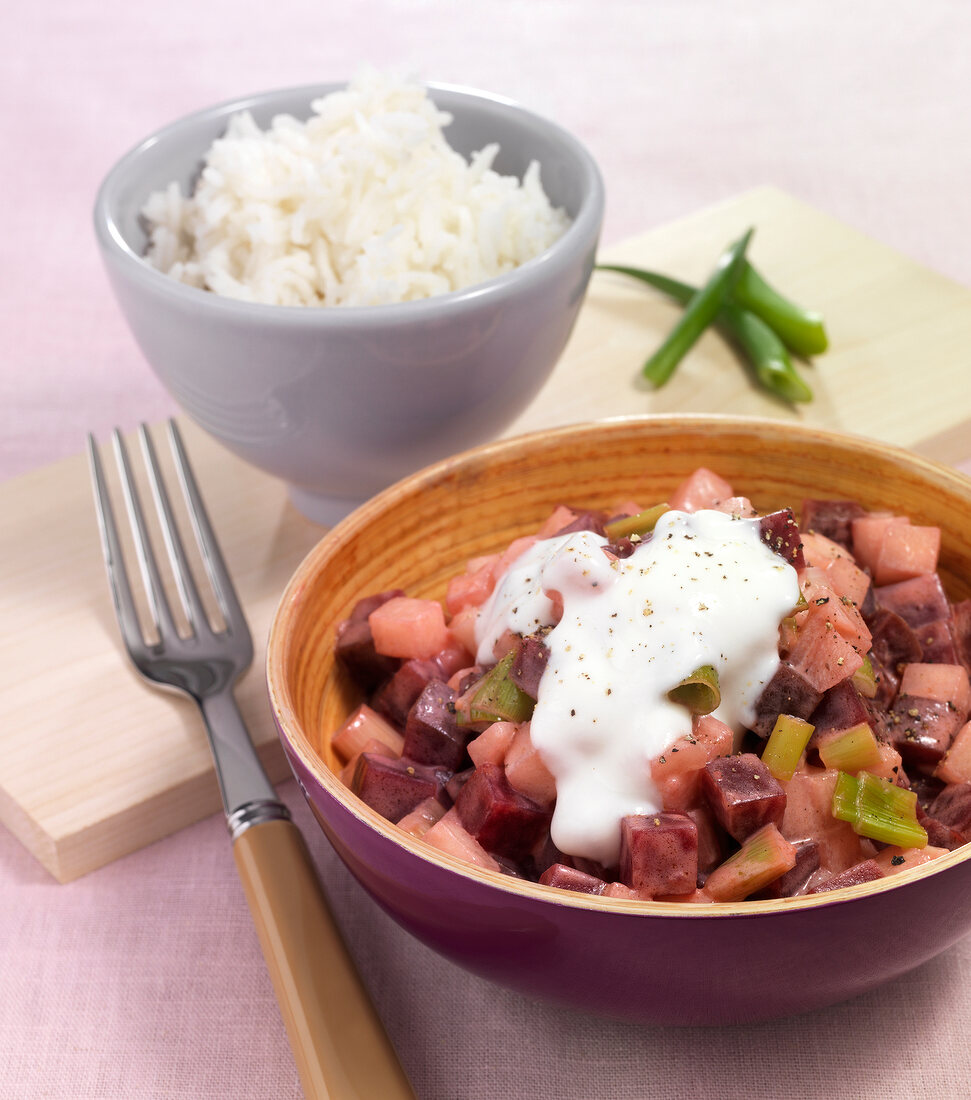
[845, 794]
[496, 698]
[755, 339]
[878, 809]
[888, 813]
[865, 679]
[801, 330]
[698, 314]
[640, 524]
[785, 746]
[851, 750]
[766, 352]
[699, 692]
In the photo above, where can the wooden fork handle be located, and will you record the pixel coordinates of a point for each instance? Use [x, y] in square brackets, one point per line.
[338, 1041]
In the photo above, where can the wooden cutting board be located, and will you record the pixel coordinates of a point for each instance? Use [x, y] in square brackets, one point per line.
[93, 764]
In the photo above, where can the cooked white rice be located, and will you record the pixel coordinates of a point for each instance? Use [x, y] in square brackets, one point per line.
[364, 204]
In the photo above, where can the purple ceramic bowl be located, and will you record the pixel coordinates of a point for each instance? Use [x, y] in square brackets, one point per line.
[656, 962]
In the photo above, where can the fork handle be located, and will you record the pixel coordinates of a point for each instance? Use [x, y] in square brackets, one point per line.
[339, 1044]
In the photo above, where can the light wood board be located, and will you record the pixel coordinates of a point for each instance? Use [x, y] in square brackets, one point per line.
[94, 764]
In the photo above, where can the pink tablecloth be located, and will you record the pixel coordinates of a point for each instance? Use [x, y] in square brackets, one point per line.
[144, 979]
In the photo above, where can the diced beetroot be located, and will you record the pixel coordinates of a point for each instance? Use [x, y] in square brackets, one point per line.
[894, 642]
[938, 834]
[937, 643]
[449, 835]
[893, 860]
[820, 552]
[492, 744]
[408, 627]
[584, 521]
[953, 807]
[569, 878]
[393, 787]
[848, 580]
[918, 601]
[395, 698]
[504, 821]
[363, 608]
[677, 771]
[556, 521]
[372, 746]
[925, 786]
[659, 854]
[529, 664]
[461, 681]
[362, 726]
[702, 489]
[886, 683]
[788, 692]
[736, 506]
[545, 853]
[832, 518]
[462, 628]
[907, 551]
[867, 871]
[620, 891]
[821, 653]
[432, 733]
[841, 707]
[956, 764]
[841, 615]
[889, 765]
[422, 817]
[922, 730]
[711, 840]
[526, 770]
[942, 683]
[796, 880]
[457, 782]
[780, 533]
[355, 652]
[868, 535]
[809, 814]
[514, 550]
[472, 588]
[743, 794]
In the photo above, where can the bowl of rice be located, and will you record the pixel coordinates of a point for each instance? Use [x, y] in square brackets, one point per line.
[343, 283]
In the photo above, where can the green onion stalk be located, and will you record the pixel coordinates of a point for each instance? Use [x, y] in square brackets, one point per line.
[749, 331]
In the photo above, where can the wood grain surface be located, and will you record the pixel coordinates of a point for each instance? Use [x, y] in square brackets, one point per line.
[94, 764]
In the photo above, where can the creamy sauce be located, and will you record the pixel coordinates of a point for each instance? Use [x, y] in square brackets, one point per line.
[704, 590]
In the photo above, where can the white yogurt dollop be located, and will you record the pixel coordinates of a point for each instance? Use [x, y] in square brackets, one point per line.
[704, 590]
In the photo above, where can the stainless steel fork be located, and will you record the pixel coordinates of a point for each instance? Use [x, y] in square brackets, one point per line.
[339, 1044]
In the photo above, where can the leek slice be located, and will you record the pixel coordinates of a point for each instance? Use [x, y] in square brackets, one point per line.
[852, 750]
[785, 746]
[699, 692]
[865, 679]
[497, 698]
[642, 523]
[878, 809]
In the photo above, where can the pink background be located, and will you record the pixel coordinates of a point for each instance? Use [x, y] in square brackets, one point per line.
[144, 979]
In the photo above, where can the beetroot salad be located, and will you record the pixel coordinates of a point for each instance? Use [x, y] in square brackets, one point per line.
[691, 701]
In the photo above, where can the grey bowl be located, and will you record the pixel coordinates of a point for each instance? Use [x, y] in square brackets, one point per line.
[342, 402]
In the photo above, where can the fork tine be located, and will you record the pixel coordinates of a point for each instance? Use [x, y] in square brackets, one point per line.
[121, 591]
[189, 593]
[151, 578]
[215, 565]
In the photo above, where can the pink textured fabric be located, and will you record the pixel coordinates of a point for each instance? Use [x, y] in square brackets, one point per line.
[145, 978]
